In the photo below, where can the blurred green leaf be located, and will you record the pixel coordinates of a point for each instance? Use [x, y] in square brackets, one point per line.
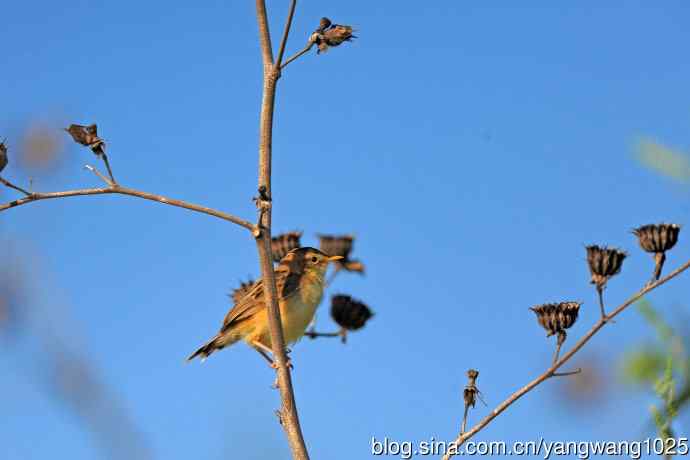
[663, 160]
[644, 365]
[648, 312]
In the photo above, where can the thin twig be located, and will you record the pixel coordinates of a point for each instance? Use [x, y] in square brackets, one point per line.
[109, 182]
[12, 186]
[463, 427]
[313, 334]
[298, 54]
[286, 32]
[107, 165]
[288, 413]
[550, 372]
[565, 374]
[131, 192]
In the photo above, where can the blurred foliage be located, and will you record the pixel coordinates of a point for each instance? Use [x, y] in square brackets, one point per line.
[662, 366]
[663, 160]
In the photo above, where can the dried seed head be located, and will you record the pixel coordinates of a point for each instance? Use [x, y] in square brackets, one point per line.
[556, 317]
[348, 313]
[604, 263]
[240, 292]
[472, 374]
[328, 35]
[284, 243]
[3, 155]
[470, 392]
[87, 136]
[657, 237]
[341, 245]
[324, 24]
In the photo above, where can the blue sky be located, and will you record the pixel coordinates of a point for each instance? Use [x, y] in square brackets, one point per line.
[472, 148]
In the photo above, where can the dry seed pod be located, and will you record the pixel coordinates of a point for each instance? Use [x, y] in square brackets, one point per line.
[604, 263]
[556, 317]
[239, 293]
[470, 391]
[3, 155]
[284, 243]
[324, 24]
[657, 239]
[348, 313]
[328, 35]
[341, 245]
[87, 136]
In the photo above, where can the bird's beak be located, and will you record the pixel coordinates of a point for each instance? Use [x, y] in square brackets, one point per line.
[334, 258]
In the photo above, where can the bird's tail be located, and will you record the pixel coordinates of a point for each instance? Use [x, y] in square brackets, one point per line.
[208, 348]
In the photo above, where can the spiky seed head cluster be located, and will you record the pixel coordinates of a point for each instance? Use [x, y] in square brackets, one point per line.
[348, 313]
[284, 243]
[604, 263]
[556, 317]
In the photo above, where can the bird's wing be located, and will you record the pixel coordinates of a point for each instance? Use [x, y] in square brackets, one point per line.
[253, 302]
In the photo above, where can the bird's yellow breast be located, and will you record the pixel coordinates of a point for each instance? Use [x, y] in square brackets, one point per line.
[298, 310]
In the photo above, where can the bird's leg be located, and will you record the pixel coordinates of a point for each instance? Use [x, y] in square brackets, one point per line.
[264, 351]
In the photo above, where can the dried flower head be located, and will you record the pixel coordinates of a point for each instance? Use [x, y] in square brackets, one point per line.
[657, 239]
[284, 243]
[3, 155]
[604, 263]
[329, 34]
[348, 313]
[87, 136]
[556, 317]
[324, 24]
[341, 245]
[239, 293]
[471, 391]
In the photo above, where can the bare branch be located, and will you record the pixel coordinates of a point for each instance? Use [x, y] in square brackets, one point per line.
[264, 34]
[286, 32]
[288, 416]
[551, 372]
[109, 182]
[131, 192]
[9, 184]
[298, 54]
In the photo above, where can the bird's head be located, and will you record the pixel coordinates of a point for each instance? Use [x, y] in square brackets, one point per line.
[308, 260]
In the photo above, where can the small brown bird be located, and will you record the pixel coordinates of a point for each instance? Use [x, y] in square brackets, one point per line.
[300, 282]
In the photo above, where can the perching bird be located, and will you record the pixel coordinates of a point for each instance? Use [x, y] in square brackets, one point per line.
[299, 281]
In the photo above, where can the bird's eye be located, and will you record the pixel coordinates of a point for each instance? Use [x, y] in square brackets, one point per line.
[314, 259]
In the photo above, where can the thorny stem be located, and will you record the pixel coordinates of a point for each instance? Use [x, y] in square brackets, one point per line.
[288, 415]
[551, 372]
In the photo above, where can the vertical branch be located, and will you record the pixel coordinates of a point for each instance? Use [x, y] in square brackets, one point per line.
[286, 32]
[289, 418]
